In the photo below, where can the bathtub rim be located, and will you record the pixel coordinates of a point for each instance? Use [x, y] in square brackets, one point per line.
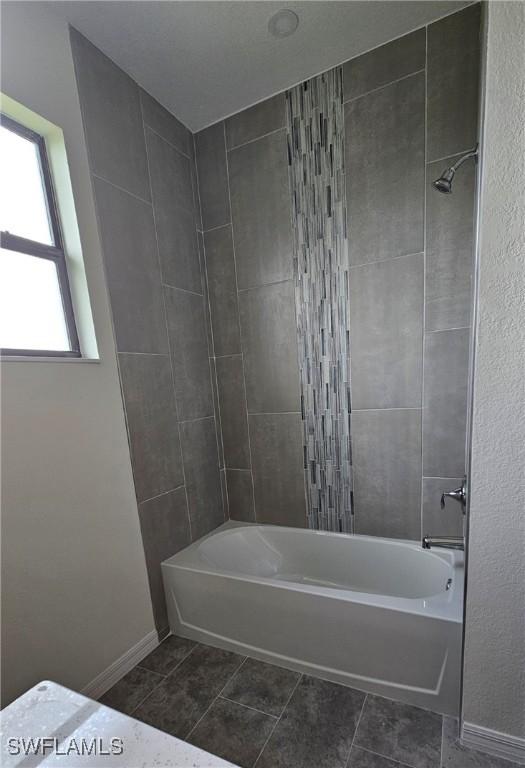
[445, 606]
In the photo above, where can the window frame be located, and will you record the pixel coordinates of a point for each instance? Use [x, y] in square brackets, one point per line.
[54, 253]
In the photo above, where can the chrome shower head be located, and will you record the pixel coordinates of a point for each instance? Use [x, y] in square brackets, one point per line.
[444, 183]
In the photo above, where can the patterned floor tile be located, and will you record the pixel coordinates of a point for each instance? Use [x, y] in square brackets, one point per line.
[131, 690]
[169, 653]
[262, 686]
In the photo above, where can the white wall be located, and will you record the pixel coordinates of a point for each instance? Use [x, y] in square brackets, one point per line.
[74, 587]
[494, 682]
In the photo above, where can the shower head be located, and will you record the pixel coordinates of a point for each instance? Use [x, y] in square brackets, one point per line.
[444, 183]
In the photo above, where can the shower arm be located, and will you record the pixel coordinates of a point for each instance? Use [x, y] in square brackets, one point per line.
[472, 153]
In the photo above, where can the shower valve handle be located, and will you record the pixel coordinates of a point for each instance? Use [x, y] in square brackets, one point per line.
[460, 494]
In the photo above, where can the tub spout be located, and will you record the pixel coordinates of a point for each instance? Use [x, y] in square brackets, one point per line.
[443, 542]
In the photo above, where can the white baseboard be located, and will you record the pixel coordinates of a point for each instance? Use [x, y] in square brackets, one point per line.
[493, 742]
[103, 682]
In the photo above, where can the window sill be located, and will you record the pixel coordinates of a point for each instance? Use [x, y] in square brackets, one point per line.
[35, 359]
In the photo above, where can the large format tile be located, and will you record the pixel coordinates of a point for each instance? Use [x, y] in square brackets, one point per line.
[387, 472]
[453, 83]
[241, 502]
[252, 123]
[385, 169]
[261, 211]
[386, 318]
[149, 400]
[234, 420]
[449, 248]
[127, 233]
[183, 697]
[174, 215]
[385, 64]
[262, 686]
[277, 465]
[189, 354]
[454, 755]
[437, 521]
[168, 655]
[233, 732]
[269, 343]
[446, 360]
[165, 528]
[316, 729]
[213, 176]
[401, 732]
[165, 124]
[222, 290]
[112, 118]
[201, 469]
[362, 758]
[131, 690]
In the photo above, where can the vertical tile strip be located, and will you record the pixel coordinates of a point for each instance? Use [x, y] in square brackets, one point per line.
[315, 129]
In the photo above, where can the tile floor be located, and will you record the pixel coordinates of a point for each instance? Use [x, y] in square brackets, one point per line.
[257, 714]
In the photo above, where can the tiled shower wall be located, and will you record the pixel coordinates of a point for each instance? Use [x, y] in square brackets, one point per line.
[142, 164]
[409, 112]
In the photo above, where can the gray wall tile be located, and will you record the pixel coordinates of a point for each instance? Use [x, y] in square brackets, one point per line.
[453, 83]
[446, 359]
[189, 353]
[224, 493]
[222, 289]
[385, 64]
[112, 118]
[278, 476]
[386, 321]
[174, 214]
[216, 410]
[437, 521]
[147, 388]
[165, 528]
[449, 248]
[261, 211]
[384, 150]
[201, 469]
[127, 233]
[234, 421]
[240, 495]
[254, 122]
[387, 472]
[165, 124]
[213, 176]
[269, 342]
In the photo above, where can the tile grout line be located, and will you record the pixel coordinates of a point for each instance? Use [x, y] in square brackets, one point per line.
[385, 85]
[164, 677]
[170, 143]
[449, 157]
[159, 495]
[167, 329]
[392, 760]
[388, 259]
[256, 138]
[122, 189]
[239, 323]
[445, 330]
[278, 720]
[212, 366]
[356, 729]
[237, 669]
[423, 340]
[184, 290]
[246, 706]
[265, 285]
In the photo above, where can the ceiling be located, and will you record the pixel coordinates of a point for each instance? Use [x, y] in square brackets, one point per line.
[206, 60]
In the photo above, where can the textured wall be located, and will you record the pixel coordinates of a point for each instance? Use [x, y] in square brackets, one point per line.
[409, 111]
[142, 165]
[494, 683]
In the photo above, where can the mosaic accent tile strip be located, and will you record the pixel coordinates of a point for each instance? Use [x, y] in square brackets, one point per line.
[316, 166]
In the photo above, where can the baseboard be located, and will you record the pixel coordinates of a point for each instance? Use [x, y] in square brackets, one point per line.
[493, 742]
[103, 682]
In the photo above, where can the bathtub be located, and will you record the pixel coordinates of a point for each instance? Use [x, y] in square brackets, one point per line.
[382, 615]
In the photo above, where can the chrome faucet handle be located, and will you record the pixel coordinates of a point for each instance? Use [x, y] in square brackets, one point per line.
[460, 494]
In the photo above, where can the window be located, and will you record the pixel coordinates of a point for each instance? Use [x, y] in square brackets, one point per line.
[36, 312]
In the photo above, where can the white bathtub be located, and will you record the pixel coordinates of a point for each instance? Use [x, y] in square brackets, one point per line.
[382, 615]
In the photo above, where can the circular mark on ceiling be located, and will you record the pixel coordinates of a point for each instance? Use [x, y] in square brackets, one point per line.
[283, 23]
